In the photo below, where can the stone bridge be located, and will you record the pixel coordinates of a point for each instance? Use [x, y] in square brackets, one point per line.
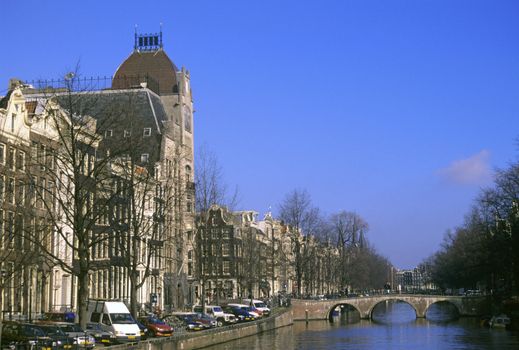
[321, 310]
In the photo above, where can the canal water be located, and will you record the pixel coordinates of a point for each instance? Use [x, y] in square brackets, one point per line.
[394, 326]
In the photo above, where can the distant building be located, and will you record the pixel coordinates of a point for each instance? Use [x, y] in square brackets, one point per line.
[238, 256]
[415, 280]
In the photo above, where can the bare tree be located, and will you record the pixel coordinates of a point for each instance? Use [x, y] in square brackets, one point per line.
[65, 177]
[347, 230]
[297, 211]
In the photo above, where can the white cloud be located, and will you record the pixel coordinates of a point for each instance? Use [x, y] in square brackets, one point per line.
[474, 170]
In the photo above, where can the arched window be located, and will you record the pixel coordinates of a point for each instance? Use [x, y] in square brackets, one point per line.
[188, 173]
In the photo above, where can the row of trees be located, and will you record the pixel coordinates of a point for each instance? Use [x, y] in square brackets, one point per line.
[484, 251]
[351, 262]
[325, 250]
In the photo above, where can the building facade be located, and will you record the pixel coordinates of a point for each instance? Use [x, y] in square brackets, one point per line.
[238, 256]
[130, 177]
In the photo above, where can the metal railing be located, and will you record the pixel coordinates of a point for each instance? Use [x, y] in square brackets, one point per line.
[80, 84]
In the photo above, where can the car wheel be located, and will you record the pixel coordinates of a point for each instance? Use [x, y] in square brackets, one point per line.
[219, 323]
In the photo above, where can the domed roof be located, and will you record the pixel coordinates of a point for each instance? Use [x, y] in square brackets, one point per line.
[152, 64]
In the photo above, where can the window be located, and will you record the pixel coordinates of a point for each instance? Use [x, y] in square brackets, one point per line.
[13, 121]
[20, 160]
[2, 188]
[41, 157]
[145, 157]
[108, 133]
[34, 150]
[127, 133]
[10, 158]
[50, 158]
[1, 228]
[226, 267]
[225, 249]
[9, 229]
[20, 193]
[10, 190]
[2, 153]
[188, 173]
[147, 132]
[41, 192]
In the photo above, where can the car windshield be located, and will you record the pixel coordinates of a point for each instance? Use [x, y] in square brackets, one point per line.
[155, 320]
[33, 331]
[122, 318]
[260, 305]
[72, 328]
[217, 309]
[52, 330]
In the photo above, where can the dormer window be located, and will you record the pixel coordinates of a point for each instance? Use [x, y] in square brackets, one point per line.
[147, 132]
[145, 157]
[127, 133]
[108, 133]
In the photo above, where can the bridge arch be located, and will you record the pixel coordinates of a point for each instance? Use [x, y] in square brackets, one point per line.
[304, 309]
[444, 301]
[378, 302]
[334, 306]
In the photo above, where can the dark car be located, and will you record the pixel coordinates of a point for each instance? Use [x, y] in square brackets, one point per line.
[184, 321]
[241, 314]
[157, 327]
[60, 339]
[80, 338]
[25, 336]
[100, 335]
[205, 319]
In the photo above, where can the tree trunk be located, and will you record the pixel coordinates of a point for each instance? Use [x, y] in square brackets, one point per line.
[133, 294]
[83, 283]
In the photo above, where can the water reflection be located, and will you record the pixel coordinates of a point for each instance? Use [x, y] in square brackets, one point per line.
[392, 312]
[442, 312]
[396, 327]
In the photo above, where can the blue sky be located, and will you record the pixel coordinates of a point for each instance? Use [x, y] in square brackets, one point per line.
[398, 110]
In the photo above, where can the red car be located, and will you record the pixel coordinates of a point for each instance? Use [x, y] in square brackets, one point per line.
[157, 327]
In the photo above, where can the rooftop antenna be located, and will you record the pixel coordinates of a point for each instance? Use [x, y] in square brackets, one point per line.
[135, 44]
[161, 35]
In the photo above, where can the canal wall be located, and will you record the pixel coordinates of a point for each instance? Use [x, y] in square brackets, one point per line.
[202, 339]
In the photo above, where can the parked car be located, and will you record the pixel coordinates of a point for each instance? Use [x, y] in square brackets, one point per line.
[60, 339]
[100, 335]
[205, 319]
[157, 327]
[80, 338]
[250, 309]
[24, 335]
[260, 305]
[241, 314]
[184, 321]
[217, 312]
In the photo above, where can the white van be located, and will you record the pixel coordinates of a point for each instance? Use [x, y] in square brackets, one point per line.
[114, 317]
[258, 304]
